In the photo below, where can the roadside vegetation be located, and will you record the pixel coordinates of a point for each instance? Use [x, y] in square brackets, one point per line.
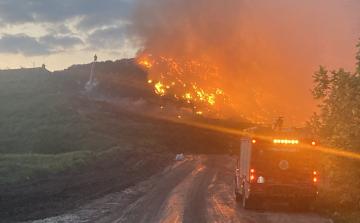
[337, 125]
[14, 167]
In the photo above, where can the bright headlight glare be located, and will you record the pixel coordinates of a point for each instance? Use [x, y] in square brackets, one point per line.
[286, 141]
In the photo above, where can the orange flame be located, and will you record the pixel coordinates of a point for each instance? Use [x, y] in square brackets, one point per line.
[146, 63]
[159, 89]
[187, 74]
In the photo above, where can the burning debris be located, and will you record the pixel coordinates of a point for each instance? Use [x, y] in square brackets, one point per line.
[193, 82]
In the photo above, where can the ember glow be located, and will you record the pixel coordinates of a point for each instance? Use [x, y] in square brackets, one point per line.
[146, 63]
[159, 89]
[198, 84]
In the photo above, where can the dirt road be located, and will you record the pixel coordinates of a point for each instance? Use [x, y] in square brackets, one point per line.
[198, 189]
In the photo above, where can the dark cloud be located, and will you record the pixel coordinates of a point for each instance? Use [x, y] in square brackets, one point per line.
[98, 20]
[31, 46]
[93, 12]
[59, 29]
[63, 29]
[107, 38]
[64, 42]
[21, 43]
[101, 22]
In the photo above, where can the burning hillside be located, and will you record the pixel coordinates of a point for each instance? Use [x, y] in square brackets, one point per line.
[200, 86]
[197, 84]
[245, 58]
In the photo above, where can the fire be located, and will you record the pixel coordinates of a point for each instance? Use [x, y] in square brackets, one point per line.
[189, 81]
[211, 99]
[146, 63]
[159, 89]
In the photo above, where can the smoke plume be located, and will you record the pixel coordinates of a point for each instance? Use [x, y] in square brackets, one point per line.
[265, 51]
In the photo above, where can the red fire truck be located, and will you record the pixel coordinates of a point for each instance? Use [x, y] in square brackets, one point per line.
[276, 164]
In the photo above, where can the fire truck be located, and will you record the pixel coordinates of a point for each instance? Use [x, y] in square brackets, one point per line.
[276, 164]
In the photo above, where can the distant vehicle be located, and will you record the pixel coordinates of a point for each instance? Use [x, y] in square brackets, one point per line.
[276, 164]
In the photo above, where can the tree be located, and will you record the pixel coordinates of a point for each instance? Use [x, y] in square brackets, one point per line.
[338, 126]
[358, 59]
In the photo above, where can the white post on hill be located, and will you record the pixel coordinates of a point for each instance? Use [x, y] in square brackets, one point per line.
[92, 67]
[91, 84]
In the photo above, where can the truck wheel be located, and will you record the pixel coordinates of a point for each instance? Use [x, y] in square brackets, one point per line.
[251, 203]
[302, 206]
[238, 196]
[246, 203]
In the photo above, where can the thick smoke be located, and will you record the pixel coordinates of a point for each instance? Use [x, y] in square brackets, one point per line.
[266, 51]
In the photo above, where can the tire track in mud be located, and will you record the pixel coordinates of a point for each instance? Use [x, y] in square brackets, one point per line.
[150, 206]
[195, 210]
[198, 189]
[173, 210]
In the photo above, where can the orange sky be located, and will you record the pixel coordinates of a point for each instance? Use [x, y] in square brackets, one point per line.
[266, 51]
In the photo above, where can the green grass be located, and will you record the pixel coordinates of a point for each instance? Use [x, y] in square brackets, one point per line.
[14, 167]
[37, 118]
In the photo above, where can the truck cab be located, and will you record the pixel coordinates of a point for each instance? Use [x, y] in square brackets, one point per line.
[276, 164]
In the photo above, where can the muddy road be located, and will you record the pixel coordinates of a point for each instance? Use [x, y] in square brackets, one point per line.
[198, 189]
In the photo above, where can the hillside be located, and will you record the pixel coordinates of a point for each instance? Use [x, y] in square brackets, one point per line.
[46, 116]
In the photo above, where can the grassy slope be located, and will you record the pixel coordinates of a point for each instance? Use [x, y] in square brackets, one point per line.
[34, 117]
[43, 129]
[18, 166]
[35, 120]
